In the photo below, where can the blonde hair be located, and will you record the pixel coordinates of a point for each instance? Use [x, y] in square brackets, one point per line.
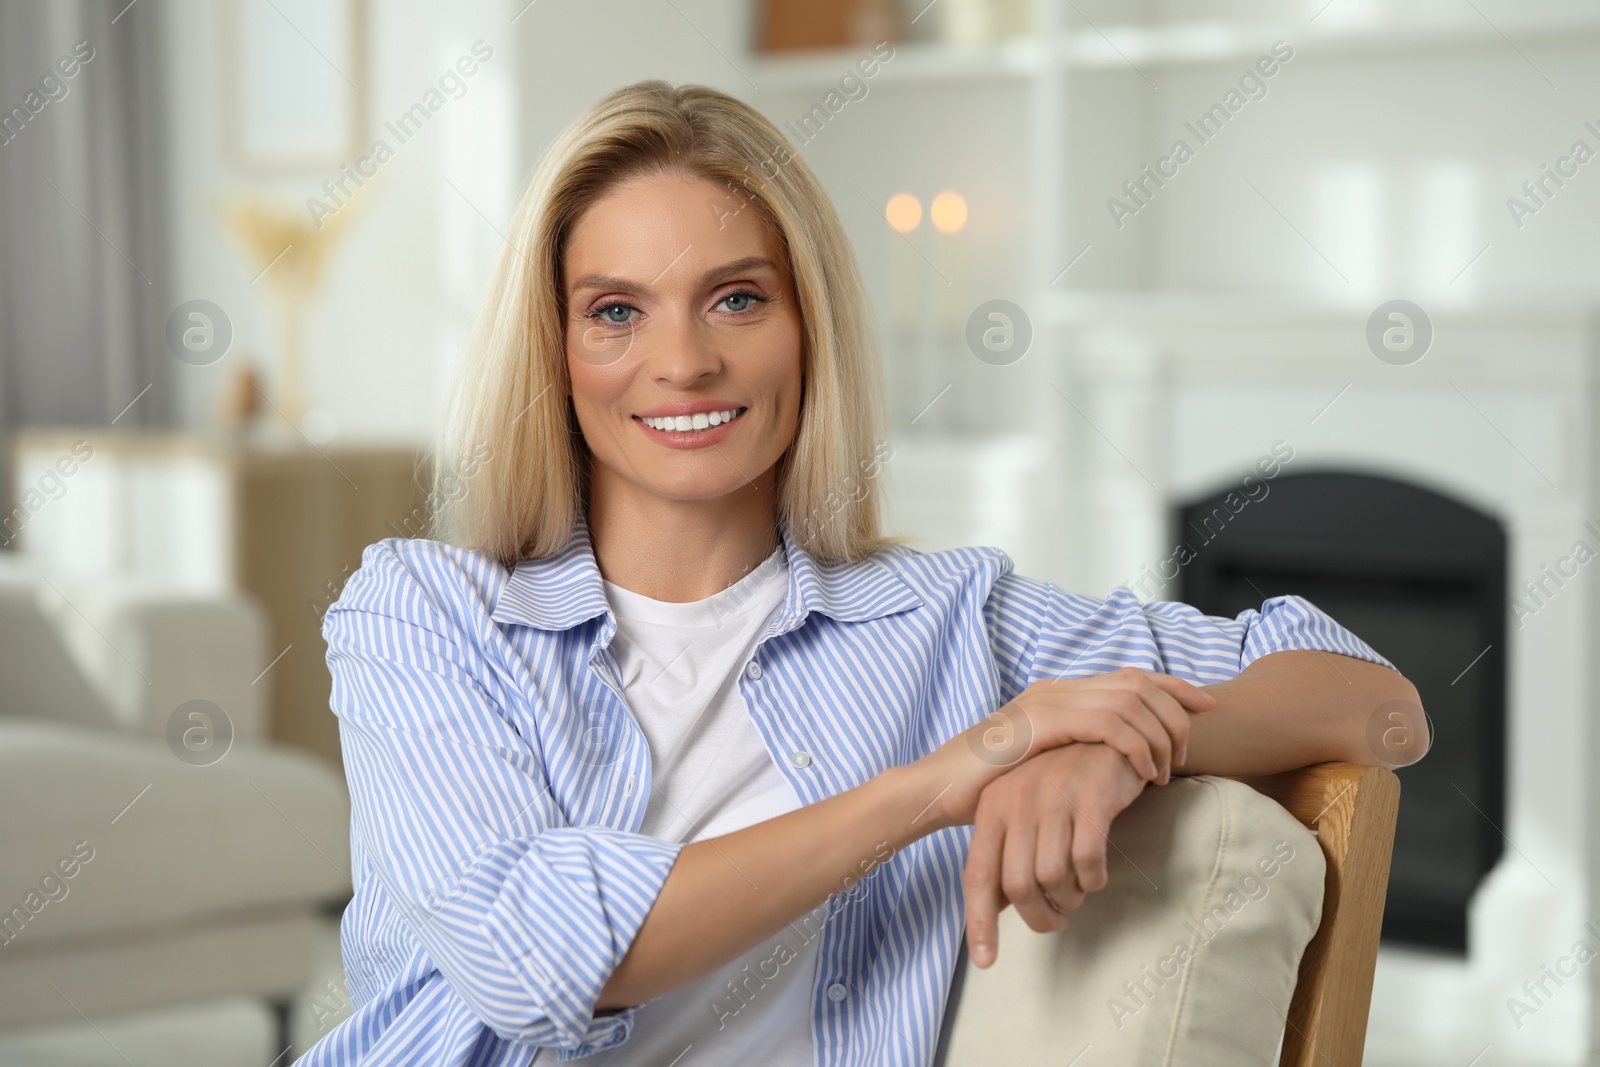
[509, 410]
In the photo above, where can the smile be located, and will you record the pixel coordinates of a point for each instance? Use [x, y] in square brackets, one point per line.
[697, 423]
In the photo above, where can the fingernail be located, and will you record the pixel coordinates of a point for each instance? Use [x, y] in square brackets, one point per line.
[983, 955]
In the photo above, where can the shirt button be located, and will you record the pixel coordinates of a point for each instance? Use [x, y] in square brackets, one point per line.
[837, 992]
[801, 759]
[752, 671]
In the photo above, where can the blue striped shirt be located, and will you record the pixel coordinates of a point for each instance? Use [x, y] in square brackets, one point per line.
[497, 778]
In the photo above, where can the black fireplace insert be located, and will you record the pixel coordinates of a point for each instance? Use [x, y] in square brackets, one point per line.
[1420, 577]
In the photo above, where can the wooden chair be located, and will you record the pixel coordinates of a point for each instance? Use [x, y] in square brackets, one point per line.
[1352, 809]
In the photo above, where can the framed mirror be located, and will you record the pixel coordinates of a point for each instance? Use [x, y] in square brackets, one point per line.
[295, 84]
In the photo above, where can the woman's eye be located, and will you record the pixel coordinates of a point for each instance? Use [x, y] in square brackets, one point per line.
[742, 300]
[606, 314]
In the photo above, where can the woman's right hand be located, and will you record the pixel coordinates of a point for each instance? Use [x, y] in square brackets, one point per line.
[1142, 714]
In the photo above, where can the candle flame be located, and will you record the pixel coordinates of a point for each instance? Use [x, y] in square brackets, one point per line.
[904, 212]
[949, 212]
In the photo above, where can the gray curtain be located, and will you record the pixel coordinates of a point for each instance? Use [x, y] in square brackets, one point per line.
[83, 262]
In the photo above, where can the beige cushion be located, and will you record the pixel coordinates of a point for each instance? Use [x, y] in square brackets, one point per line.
[162, 842]
[124, 653]
[41, 681]
[1187, 958]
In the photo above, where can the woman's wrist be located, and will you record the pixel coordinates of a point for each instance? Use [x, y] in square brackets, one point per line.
[940, 789]
[909, 801]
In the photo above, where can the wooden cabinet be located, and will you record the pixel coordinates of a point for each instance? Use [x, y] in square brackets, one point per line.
[286, 522]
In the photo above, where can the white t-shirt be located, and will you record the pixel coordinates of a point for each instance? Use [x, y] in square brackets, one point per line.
[711, 775]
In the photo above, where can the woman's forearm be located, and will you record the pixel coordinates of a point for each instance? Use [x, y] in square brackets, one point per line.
[726, 894]
[1291, 709]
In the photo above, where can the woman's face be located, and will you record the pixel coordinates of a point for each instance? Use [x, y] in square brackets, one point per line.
[680, 307]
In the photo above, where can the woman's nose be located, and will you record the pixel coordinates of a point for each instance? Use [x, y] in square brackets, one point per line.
[681, 351]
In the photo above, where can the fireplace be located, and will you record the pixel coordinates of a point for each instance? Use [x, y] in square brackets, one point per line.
[1493, 440]
[1422, 578]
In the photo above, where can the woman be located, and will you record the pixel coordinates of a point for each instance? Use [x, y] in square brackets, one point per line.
[672, 749]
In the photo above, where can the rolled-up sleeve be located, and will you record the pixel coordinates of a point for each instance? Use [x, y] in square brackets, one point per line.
[1038, 630]
[525, 916]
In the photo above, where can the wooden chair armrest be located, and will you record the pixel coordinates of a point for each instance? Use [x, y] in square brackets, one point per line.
[1352, 809]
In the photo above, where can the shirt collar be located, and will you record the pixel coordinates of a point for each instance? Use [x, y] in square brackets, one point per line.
[564, 590]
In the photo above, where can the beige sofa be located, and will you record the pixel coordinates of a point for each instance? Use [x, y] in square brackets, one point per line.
[151, 859]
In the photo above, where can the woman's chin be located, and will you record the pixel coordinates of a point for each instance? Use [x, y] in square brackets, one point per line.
[687, 486]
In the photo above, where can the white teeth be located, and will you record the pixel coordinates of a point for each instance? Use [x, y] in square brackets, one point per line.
[700, 421]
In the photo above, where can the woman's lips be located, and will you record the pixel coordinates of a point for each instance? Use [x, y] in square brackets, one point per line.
[687, 439]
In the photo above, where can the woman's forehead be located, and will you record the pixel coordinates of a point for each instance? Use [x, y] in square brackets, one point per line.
[662, 230]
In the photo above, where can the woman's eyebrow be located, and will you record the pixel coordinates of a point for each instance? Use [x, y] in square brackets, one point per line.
[710, 277]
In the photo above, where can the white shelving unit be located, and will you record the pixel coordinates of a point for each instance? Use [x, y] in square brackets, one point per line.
[1171, 43]
[1037, 71]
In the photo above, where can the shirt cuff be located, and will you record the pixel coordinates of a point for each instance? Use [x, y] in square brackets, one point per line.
[1288, 623]
[564, 956]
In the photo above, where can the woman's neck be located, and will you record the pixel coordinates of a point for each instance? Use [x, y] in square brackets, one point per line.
[681, 550]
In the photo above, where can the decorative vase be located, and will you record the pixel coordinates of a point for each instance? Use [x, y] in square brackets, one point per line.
[291, 253]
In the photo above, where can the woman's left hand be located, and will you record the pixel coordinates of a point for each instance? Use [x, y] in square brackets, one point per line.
[1040, 836]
